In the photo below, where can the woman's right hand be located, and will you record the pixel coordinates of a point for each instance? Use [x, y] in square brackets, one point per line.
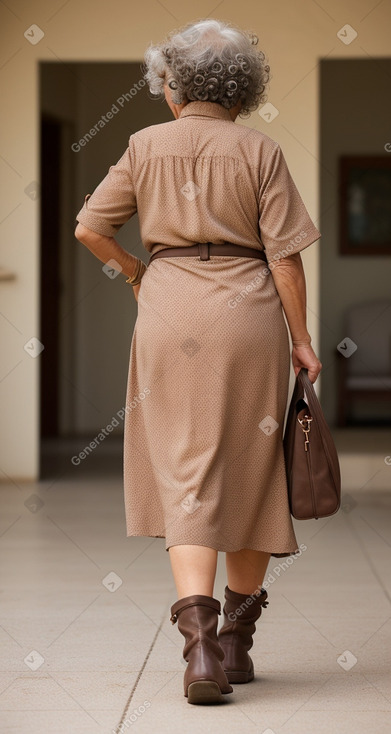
[304, 356]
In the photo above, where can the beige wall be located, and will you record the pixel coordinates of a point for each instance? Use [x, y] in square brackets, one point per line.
[295, 37]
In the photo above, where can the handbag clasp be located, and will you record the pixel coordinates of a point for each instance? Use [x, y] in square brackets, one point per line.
[306, 426]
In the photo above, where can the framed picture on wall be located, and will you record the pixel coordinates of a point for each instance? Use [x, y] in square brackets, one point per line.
[365, 205]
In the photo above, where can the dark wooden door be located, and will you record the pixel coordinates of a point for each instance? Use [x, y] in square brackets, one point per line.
[50, 275]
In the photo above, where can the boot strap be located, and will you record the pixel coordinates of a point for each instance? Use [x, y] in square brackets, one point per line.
[199, 600]
[240, 598]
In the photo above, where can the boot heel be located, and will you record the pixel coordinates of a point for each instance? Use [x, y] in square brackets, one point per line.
[204, 691]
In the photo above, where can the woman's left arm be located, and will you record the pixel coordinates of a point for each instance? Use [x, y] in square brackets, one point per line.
[107, 248]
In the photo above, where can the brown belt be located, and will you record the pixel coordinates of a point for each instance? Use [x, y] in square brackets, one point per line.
[205, 249]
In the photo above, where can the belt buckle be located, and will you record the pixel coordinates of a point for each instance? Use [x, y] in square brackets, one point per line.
[203, 248]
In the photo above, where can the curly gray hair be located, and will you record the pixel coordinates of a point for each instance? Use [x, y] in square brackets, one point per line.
[209, 60]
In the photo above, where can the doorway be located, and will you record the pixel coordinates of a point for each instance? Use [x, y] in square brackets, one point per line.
[87, 319]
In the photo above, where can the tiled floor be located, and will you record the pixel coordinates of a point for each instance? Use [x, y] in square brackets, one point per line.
[86, 641]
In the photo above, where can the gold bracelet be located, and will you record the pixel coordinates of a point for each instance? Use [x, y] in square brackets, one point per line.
[135, 275]
[140, 270]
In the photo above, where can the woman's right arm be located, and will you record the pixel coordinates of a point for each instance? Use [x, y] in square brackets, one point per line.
[289, 279]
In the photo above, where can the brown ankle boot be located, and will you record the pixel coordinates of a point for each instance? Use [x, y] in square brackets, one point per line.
[241, 611]
[205, 680]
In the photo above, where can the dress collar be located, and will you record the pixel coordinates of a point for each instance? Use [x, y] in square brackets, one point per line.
[205, 109]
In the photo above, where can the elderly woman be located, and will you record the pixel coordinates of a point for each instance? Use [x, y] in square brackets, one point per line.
[209, 367]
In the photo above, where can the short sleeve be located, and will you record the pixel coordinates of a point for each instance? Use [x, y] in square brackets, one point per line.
[113, 201]
[284, 223]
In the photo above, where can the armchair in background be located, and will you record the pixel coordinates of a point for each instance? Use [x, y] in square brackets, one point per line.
[366, 373]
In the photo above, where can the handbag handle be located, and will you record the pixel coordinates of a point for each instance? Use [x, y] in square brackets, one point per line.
[303, 383]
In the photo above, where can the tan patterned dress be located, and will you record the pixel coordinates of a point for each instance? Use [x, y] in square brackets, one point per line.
[209, 358]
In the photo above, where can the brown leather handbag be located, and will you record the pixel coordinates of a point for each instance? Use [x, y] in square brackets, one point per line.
[311, 459]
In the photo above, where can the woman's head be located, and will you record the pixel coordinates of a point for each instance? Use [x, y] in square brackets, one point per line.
[209, 60]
